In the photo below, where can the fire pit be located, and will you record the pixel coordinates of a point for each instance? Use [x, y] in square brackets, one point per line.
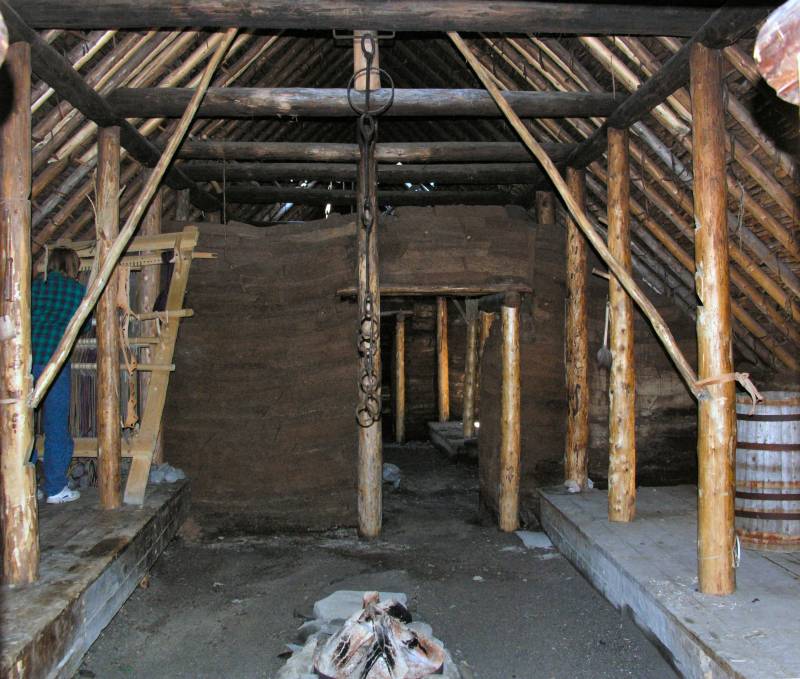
[366, 639]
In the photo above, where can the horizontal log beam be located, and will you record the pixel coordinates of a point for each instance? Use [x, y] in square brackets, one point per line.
[453, 173]
[258, 102]
[398, 15]
[320, 197]
[408, 152]
[57, 72]
[725, 26]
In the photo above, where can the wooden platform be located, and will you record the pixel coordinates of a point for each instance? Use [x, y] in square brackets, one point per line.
[649, 567]
[449, 438]
[92, 560]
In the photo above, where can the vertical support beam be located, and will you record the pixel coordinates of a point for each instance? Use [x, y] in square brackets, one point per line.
[510, 416]
[150, 285]
[716, 432]
[545, 207]
[471, 369]
[577, 344]
[622, 379]
[442, 360]
[370, 444]
[183, 205]
[400, 378]
[109, 432]
[359, 63]
[18, 513]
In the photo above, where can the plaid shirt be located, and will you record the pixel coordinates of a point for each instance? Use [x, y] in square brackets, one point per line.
[53, 303]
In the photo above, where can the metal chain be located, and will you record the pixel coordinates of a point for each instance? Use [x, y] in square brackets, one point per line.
[369, 406]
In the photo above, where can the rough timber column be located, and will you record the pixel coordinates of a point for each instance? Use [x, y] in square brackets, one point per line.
[716, 432]
[109, 433]
[148, 292]
[442, 360]
[577, 344]
[400, 378]
[508, 500]
[622, 379]
[18, 513]
[370, 445]
[545, 207]
[471, 369]
[183, 205]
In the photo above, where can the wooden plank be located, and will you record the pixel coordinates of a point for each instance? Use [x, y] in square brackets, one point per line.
[302, 102]
[92, 562]
[503, 16]
[648, 568]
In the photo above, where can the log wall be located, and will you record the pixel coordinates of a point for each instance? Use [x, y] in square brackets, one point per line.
[261, 409]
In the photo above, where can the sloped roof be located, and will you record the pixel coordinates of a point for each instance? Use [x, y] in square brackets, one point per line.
[762, 170]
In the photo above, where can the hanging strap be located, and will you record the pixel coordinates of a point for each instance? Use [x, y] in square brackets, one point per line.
[742, 378]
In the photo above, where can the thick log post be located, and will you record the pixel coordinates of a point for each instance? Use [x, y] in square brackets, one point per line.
[442, 360]
[149, 288]
[19, 517]
[471, 369]
[577, 344]
[370, 443]
[622, 379]
[716, 433]
[183, 205]
[400, 378]
[109, 432]
[510, 416]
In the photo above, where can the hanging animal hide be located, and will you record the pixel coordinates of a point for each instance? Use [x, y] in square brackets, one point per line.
[376, 644]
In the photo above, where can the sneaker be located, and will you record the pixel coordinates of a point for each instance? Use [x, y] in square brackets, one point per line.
[66, 495]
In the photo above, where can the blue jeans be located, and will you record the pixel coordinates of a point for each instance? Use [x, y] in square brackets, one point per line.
[58, 440]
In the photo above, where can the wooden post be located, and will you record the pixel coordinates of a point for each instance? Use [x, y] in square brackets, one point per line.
[545, 207]
[510, 416]
[360, 63]
[400, 378]
[622, 378]
[370, 444]
[183, 205]
[470, 369]
[442, 360]
[150, 285]
[577, 344]
[716, 432]
[20, 522]
[109, 432]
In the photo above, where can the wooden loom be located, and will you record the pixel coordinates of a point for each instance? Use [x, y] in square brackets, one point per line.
[160, 347]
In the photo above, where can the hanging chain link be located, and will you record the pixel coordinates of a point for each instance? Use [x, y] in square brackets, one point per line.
[369, 405]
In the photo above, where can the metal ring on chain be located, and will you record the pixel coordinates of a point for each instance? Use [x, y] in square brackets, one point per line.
[383, 107]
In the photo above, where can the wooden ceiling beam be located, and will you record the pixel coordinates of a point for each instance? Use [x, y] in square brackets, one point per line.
[55, 70]
[323, 196]
[252, 102]
[439, 173]
[503, 16]
[405, 152]
[725, 26]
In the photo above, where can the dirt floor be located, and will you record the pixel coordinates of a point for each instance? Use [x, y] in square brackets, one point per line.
[226, 605]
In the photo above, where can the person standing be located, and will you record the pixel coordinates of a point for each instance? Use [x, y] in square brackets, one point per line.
[55, 296]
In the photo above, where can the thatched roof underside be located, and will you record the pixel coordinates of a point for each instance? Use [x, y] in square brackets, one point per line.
[762, 171]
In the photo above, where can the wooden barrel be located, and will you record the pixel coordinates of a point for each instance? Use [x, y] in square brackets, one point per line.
[768, 472]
